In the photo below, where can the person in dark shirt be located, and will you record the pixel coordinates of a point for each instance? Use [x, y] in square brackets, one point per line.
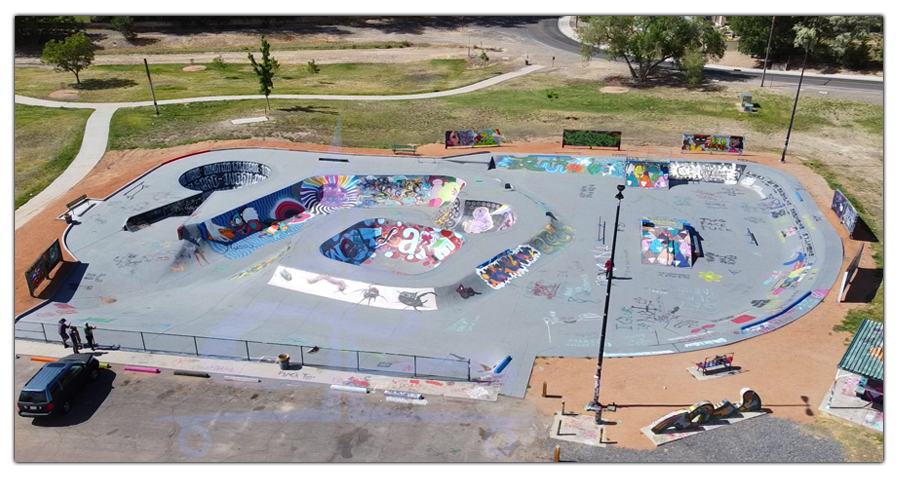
[89, 335]
[61, 328]
[76, 338]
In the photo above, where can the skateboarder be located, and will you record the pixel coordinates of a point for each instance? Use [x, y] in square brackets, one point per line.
[61, 328]
[89, 335]
[76, 338]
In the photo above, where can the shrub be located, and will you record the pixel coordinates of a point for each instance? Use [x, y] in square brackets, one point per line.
[312, 67]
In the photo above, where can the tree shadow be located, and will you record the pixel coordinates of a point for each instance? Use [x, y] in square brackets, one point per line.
[864, 285]
[142, 42]
[309, 109]
[104, 83]
[669, 78]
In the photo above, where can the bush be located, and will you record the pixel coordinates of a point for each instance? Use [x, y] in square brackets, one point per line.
[692, 66]
[124, 25]
[218, 63]
[312, 67]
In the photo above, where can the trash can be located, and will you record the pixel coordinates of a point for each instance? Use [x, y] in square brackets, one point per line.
[68, 217]
[284, 360]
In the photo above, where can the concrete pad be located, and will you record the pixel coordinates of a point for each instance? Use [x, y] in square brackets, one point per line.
[668, 437]
[242, 121]
[842, 402]
[577, 429]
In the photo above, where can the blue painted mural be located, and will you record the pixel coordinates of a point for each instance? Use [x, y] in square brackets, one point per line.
[563, 165]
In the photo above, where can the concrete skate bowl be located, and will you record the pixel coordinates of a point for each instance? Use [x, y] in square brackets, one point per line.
[395, 246]
[475, 216]
[224, 176]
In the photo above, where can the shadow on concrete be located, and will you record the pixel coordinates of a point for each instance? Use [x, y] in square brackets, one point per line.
[85, 403]
[70, 284]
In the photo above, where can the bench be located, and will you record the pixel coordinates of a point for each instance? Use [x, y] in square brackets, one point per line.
[716, 363]
[404, 148]
[77, 201]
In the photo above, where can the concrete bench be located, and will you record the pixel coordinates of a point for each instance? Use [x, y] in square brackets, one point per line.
[404, 148]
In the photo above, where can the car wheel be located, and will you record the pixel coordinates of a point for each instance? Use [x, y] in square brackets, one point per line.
[95, 374]
[66, 407]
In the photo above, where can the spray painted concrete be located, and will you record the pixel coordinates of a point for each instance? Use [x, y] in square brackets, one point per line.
[765, 256]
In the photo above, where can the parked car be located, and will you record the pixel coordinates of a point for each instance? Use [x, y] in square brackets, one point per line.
[50, 390]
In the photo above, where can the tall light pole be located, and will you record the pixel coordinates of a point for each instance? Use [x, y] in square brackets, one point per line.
[595, 405]
[796, 99]
[766, 61]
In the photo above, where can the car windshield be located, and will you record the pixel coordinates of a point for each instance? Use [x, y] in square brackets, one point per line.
[33, 397]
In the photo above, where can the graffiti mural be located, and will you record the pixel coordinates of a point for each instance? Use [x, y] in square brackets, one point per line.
[327, 194]
[41, 268]
[180, 208]
[400, 246]
[727, 173]
[563, 165]
[429, 190]
[713, 143]
[592, 138]
[486, 137]
[355, 292]
[647, 174]
[507, 265]
[705, 412]
[224, 175]
[844, 210]
[553, 237]
[262, 265]
[668, 246]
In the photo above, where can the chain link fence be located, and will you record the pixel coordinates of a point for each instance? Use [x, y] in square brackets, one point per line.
[380, 363]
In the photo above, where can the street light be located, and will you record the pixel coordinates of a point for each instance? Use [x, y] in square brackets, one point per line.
[796, 99]
[766, 61]
[595, 404]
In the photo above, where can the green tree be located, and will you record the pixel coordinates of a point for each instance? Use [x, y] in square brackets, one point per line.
[265, 69]
[39, 29]
[646, 41]
[124, 25]
[753, 35]
[692, 68]
[73, 54]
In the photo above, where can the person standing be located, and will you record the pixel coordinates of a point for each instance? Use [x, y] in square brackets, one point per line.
[76, 338]
[61, 328]
[89, 335]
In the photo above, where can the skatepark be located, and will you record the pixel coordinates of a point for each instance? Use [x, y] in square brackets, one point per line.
[441, 267]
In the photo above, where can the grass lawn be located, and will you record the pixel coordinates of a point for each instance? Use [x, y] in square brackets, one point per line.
[128, 83]
[47, 140]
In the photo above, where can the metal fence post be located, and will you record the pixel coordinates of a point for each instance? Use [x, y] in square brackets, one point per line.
[302, 363]
[143, 344]
[415, 367]
[44, 330]
[357, 361]
[196, 349]
[469, 370]
[247, 347]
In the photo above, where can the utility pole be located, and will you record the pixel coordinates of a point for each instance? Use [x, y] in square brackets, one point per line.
[796, 99]
[595, 405]
[152, 92]
[766, 61]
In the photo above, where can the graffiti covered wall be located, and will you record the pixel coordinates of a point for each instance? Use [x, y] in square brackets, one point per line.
[507, 265]
[713, 143]
[647, 174]
[668, 246]
[486, 137]
[563, 165]
[844, 210]
[475, 216]
[727, 173]
[592, 138]
[402, 247]
[39, 271]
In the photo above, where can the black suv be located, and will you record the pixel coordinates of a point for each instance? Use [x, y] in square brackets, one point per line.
[50, 389]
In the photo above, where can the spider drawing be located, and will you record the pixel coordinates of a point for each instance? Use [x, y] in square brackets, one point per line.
[414, 300]
[370, 294]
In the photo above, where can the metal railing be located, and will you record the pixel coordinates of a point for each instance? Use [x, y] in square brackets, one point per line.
[250, 350]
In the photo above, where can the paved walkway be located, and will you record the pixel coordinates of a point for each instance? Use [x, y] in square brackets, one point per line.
[96, 134]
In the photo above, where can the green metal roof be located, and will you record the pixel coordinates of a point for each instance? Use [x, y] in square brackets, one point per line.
[865, 356]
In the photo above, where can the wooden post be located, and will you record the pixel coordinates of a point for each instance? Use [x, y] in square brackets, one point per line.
[556, 454]
[544, 391]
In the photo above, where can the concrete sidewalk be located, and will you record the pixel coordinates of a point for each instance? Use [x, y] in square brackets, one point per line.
[253, 372]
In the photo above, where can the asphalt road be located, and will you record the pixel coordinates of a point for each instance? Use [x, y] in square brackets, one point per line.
[546, 32]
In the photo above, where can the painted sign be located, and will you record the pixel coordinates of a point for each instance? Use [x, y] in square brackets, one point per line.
[38, 272]
[845, 211]
[592, 138]
[356, 292]
[713, 143]
[486, 137]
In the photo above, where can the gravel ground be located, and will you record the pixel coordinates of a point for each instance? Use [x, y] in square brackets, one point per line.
[762, 439]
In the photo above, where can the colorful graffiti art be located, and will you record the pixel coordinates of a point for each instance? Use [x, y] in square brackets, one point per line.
[506, 266]
[592, 138]
[553, 237]
[844, 210]
[486, 137]
[40, 270]
[647, 174]
[262, 265]
[398, 246]
[355, 292]
[327, 194]
[483, 216]
[430, 190]
[713, 143]
[255, 216]
[727, 173]
[668, 246]
[705, 412]
[563, 165]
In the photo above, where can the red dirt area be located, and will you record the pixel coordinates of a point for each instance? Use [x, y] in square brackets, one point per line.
[791, 368]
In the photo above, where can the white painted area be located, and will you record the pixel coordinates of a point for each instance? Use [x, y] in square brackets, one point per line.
[241, 121]
[420, 402]
[350, 291]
